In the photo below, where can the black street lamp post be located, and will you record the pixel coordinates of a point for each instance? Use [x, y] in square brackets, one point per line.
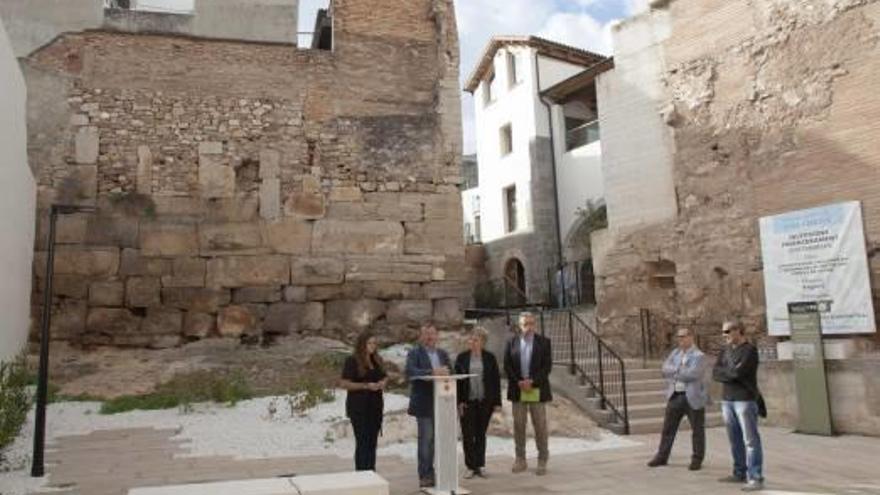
[37, 466]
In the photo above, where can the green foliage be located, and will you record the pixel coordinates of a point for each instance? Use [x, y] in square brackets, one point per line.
[595, 215]
[306, 394]
[15, 400]
[185, 390]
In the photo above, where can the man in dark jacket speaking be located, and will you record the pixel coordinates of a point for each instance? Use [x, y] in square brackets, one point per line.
[528, 360]
[426, 359]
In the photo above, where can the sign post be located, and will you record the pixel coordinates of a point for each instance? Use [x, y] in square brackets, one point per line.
[814, 410]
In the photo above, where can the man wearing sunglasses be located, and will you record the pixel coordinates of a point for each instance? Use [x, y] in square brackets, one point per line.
[686, 395]
[737, 369]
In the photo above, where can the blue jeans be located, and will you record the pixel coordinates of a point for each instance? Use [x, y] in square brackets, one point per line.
[426, 446]
[741, 419]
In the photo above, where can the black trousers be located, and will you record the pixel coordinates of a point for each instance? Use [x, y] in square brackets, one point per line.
[366, 435]
[474, 423]
[676, 409]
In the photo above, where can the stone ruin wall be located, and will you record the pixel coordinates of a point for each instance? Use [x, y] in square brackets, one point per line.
[248, 189]
[772, 107]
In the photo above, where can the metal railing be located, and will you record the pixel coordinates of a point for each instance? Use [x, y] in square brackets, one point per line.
[579, 348]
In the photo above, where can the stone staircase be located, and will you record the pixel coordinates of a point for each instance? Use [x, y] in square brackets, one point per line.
[646, 399]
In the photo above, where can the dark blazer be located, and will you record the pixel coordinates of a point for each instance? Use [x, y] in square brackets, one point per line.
[539, 367]
[491, 377]
[421, 397]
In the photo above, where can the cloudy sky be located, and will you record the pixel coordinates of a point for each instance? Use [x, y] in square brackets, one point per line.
[581, 23]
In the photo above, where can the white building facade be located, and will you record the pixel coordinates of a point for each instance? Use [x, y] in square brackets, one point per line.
[17, 206]
[533, 176]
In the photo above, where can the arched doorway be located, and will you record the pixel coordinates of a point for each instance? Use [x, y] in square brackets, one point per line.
[588, 282]
[514, 283]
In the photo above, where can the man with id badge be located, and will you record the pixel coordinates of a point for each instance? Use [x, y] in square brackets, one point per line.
[528, 361]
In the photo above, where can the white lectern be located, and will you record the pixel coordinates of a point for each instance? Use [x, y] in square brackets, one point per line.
[445, 435]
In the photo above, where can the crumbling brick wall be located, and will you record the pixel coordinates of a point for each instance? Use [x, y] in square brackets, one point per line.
[248, 188]
[771, 107]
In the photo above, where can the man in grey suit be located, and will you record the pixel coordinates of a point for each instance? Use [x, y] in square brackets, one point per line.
[684, 370]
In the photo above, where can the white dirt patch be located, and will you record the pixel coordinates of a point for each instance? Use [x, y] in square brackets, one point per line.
[248, 431]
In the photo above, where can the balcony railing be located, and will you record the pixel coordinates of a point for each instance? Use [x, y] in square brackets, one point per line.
[582, 135]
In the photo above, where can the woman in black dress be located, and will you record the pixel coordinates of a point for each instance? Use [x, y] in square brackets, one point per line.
[363, 376]
[478, 397]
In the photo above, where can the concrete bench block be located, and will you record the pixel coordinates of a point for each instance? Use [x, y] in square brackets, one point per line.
[353, 483]
[275, 486]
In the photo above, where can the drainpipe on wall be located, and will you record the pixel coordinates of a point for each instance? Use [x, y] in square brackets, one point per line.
[549, 108]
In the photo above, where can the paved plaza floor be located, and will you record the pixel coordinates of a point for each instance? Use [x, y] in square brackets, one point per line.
[111, 462]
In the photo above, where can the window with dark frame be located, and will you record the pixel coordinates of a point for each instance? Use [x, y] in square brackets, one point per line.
[512, 76]
[488, 97]
[505, 136]
[510, 209]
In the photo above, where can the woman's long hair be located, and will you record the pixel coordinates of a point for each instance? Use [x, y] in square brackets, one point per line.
[366, 362]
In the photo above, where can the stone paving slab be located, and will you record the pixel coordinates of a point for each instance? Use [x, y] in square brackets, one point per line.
[112, 462]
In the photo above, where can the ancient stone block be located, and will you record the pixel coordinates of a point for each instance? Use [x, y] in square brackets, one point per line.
[270, 199]
[270, 164]
[216, 179]
[352, 315]
[93, 262]
[198, 325]
[288, 318]
[447, 312]
[196, 299]
[379, 269]
[235, 321]
[231, 238]
[295, 293]
[87, 145]
[144, 170]
[105, 230]
[111, 294]
[71, 229]
[445, 290]
[317, 271]
[142, 292]
[290, 236]
[132, 263]
[186, 272]
[346, 194]
[433, 238]
[180, 206]
[80, 185]
[370, 237]
[72, 286]
[256, 295]
[68, 320]
[353, 290]
[245, 271]
[241, 208]
[168, 239]
[162, 321]
[113, 323]
[443, 207]
[211, 148]
[409, 312]
[387, 289]
[305, 205]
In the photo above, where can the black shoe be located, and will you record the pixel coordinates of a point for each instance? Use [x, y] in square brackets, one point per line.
[656, 462]
[426, 483]
[732, 478]
[695, 466]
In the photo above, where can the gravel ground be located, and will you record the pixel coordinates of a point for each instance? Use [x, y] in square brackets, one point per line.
[253, 429]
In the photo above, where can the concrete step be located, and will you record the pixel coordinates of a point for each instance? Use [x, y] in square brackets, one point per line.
[644, 411]
[640, 398]
[652, 385]
[655, 425]
[643, 374]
